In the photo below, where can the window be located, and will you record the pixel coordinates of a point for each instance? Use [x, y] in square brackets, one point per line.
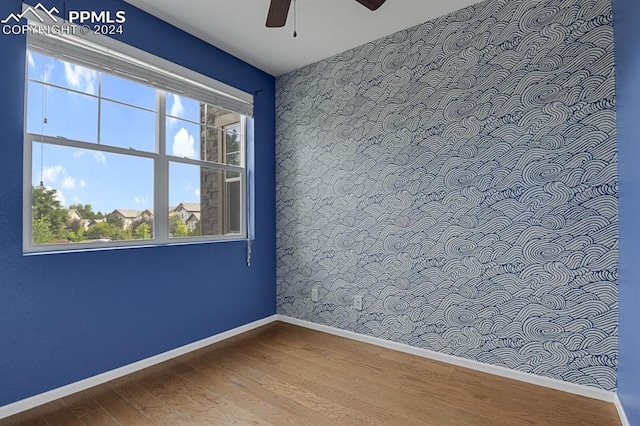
[120, 152]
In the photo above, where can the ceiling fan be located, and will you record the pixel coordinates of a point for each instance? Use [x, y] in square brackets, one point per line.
[279, 9]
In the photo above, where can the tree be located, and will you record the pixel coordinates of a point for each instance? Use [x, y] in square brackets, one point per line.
[107, 231]
[77, 236]
[233, 146]
[41, 231]
[116, 220]
[144, 220]
[74, 225]
[197, 230]
[177, 228]
[142, 232]
[46, 206]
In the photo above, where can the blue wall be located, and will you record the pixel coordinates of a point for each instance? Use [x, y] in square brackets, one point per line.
[461, 176]
[626, 14]
[66, 317]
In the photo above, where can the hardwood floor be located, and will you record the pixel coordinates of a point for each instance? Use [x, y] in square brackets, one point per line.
[281, 374]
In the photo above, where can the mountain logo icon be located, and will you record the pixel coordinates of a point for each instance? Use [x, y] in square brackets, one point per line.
[37, 11]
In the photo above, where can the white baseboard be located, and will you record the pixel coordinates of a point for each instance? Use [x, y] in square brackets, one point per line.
[621, 413]
[61, 392]
[462, 362]
[52, 395]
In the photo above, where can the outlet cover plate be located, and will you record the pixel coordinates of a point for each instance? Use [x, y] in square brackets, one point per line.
[357, 302]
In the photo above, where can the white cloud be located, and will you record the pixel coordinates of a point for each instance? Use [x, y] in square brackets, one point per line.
[184, 144]
[78, 154]
[69, 182]
[57, 175]
[80, 78]
[177, 109]
[32, 62]
[52, 173]
[99, 157]
[141, 200]
[60, 197]
[197, 191]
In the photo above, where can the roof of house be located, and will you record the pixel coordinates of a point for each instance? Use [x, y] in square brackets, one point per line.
[129, 214]
[194, 216]
[74, 213]
[190, 207]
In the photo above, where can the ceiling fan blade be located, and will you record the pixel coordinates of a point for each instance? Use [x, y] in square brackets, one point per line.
[371, 4]
[278, 11]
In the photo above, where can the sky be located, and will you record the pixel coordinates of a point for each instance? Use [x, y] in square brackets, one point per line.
[104, 180]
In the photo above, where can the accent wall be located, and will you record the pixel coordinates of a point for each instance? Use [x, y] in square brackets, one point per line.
[66, 317]
[461, 176]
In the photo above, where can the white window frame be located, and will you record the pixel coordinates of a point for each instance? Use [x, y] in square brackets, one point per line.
[161, 159]
[227, 181]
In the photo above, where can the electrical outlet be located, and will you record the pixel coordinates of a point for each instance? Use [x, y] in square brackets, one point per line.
[314, 294]
[357, 302]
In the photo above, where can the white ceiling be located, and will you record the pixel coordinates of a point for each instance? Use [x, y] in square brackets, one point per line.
[325, 27]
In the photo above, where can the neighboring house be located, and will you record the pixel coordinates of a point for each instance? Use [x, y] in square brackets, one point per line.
[185, 210]
[192, 221]
[146, 214]
[127, 216]
[75, 216]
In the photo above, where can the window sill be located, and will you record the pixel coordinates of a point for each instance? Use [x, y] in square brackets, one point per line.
[84, 248]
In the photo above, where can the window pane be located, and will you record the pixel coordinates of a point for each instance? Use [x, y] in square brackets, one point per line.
[222, 146]
[217, 145]
[129, 92]
[36, 66]
[183, 138]
[82, 196]
[233, 146]
[204, 201]
[61, 73]
[58, 112]
[127, 127]
[189, 140]
[185, 108]
[233, 192]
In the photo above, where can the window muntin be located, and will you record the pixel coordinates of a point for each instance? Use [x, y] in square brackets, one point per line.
[116, 120]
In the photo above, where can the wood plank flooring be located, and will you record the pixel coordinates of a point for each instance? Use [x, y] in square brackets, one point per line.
[281, 374]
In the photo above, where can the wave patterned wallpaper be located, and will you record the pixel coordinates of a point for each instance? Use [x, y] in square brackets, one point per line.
[461, 176]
